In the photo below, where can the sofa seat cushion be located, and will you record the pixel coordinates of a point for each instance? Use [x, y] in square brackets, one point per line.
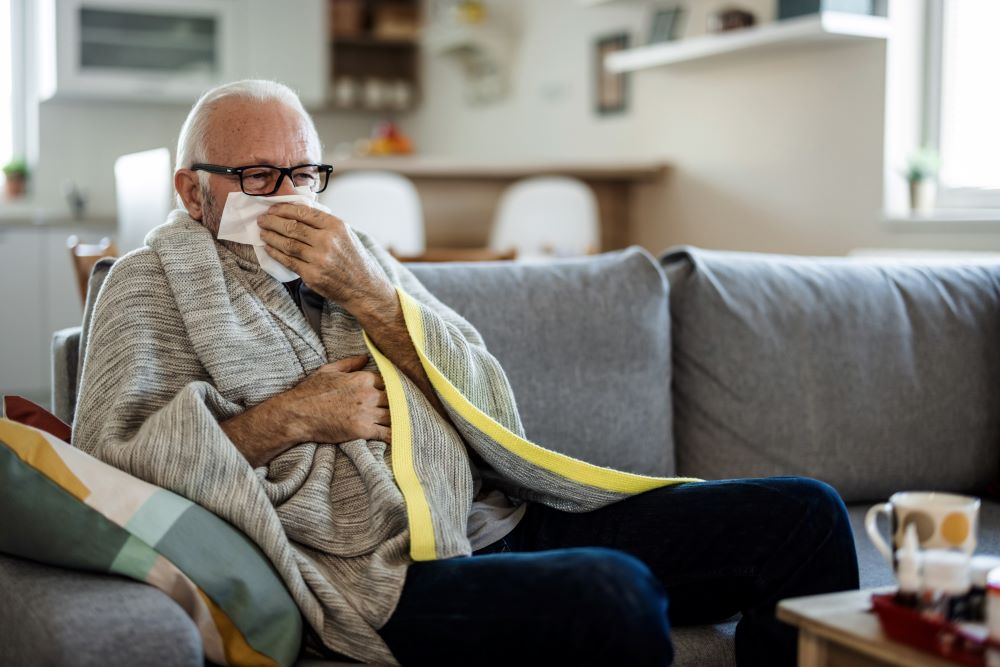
[54, 616]
[871, 376]
[585, 344]
[62, 507]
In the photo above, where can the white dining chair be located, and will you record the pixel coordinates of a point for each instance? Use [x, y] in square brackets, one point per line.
[144, 188]
[383, 205]
[547, 216]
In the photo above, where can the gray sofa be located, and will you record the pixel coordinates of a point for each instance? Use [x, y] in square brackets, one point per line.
[874, 377]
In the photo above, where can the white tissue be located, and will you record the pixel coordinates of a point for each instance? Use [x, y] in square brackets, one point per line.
[239, 224]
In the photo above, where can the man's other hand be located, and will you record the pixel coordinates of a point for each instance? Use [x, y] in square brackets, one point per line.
[340, 402]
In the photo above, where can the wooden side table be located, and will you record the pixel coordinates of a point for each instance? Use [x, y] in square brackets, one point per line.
[838, 630]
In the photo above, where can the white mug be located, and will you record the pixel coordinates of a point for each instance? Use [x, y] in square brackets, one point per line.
[942, 520]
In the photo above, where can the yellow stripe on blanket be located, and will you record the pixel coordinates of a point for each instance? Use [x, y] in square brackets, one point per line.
[574, 469]
[418, 512]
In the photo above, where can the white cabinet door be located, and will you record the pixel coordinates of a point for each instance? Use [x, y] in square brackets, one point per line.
[287, 42]
[24, 364]
[142, 49]
[174, 50]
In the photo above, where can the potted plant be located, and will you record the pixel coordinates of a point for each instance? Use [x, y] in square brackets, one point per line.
[16, 178]
[921, 173]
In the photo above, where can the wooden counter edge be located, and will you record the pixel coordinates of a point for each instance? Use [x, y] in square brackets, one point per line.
[416, 167]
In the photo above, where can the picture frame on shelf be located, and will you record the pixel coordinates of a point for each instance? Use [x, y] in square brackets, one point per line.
[610, 89]
[665, 24]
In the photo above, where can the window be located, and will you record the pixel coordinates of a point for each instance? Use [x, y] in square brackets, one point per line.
[963, 100]
[6, 84]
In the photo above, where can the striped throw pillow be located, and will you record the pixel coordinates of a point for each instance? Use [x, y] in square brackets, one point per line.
[62, 507]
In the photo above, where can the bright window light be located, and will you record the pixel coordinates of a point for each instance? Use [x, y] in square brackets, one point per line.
[970, 101]
[6, 85]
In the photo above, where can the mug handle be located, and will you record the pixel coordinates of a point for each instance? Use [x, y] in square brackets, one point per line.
[871, 527]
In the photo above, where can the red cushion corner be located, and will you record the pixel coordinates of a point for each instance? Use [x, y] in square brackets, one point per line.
[23, 411]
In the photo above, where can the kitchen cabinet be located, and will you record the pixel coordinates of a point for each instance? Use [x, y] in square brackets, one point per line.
[374, 50]
[172, 51]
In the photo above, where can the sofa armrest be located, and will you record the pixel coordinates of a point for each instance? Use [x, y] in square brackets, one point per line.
[65, 363]
[54, 616]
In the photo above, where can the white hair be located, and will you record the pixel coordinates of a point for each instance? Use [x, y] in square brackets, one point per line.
[193, 137]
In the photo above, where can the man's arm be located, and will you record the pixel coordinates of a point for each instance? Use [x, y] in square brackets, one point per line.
[339, 402]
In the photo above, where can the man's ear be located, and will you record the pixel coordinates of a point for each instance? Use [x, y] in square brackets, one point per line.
[189, 188]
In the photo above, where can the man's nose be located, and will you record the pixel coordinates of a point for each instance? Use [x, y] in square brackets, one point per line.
[287, 187]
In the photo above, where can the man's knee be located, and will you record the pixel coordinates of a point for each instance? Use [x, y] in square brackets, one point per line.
[622, 606]
[819, 498]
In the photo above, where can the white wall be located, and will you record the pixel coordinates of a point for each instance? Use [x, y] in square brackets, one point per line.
[80, 141]
[778, 151]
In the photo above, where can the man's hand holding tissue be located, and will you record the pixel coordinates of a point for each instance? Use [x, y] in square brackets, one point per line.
[329, 258]
[332, 261]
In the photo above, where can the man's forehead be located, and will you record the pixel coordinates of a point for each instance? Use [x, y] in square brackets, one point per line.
[253, 132]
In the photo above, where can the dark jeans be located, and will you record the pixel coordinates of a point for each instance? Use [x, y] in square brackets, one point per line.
[592, 588]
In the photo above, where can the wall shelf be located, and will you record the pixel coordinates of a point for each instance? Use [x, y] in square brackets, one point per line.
[815, 28]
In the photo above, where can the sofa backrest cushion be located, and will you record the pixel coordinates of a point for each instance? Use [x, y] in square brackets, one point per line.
[586, 346]
[873, 376]
[585, 343]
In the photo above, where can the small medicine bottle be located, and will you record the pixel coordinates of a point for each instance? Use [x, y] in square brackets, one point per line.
[908, 570]
[979, 569]
[993, 603]
[946, 585]
[993, 615]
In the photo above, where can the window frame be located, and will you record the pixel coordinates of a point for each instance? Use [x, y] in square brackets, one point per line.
[934, 31]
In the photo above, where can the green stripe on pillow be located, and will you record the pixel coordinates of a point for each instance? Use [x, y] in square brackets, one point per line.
[231, 561]
[155, 517]
[43, 522]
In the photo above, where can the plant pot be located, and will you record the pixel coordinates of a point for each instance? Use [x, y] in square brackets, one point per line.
[15, 186]
[922, 195]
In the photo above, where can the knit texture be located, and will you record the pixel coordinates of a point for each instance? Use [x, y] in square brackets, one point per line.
[189, 332]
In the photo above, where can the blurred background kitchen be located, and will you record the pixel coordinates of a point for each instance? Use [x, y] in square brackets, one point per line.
[508, 129]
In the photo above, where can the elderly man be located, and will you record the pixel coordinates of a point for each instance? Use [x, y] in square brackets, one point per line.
[358, 431]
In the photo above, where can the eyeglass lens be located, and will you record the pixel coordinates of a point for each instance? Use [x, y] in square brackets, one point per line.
[264, 180]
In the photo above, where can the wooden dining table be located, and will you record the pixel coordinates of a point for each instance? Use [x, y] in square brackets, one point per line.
[459, 197]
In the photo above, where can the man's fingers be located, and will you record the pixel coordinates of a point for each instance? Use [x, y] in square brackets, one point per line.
[286, 261]
[383, 433]
[351, 364]
[286, 244]
[289, 227]
[307, 214]
[383, 418]
[383, 399]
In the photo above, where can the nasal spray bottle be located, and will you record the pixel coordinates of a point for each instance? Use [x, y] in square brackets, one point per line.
[908, 570]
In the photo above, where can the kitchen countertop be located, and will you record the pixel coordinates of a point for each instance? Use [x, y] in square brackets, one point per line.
[24, 214]
[439, 167]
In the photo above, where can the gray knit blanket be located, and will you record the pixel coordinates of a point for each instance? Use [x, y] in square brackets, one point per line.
[189, 331]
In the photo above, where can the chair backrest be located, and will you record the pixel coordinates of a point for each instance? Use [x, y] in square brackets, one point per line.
[84, 256]
[382, 204]
[547, 215]
[143, 191]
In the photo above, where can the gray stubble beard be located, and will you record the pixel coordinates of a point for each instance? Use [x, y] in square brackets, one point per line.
[211, 216]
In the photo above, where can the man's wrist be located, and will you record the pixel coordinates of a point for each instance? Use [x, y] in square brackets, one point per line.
[373, 305]
[282, 417]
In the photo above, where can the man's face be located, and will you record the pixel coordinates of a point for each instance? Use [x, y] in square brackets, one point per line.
[243, 132]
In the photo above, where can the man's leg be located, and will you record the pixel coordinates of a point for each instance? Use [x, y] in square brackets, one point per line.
[719, 548]
[587, 606]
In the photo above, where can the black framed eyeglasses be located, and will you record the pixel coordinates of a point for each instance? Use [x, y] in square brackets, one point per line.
[261, 180]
